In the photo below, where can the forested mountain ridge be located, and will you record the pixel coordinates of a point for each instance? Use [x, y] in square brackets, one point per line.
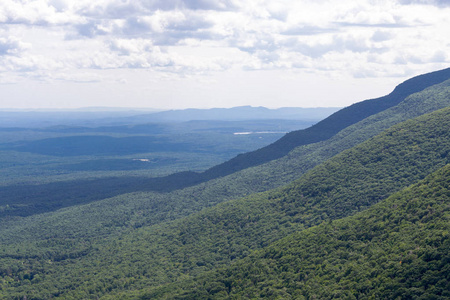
[303, 158]
[321, 131]
[150, 256]
[342, 186]
[124, 244]
[25, 200]
[396, 249]
[330, 125]
[169, 206]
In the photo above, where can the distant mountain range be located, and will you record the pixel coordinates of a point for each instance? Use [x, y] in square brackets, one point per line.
[118, 117]
[238, 114]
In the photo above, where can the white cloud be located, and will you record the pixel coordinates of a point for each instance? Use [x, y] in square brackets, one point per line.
[192, 4]
[12, 46]
[439, 56]
[425, 2]
[51, 39]
[126, 47]
[381, 36]
[35, 13]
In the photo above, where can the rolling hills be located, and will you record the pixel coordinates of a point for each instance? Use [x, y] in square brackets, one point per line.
[26, 200]
[149, 256]
[29, 199]
[177, 242]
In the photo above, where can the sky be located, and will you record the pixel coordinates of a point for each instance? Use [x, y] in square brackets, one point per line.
[172, 54]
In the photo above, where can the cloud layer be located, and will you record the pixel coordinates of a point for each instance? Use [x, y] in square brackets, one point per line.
[61, 39]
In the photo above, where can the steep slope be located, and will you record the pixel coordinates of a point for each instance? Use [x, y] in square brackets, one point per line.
[316, 133]
[150, 256]
[303, 158]
[396, 249]
[329, 126]
[32, 199]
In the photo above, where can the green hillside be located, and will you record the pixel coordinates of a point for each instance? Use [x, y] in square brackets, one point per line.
[25, 200]
[135, 209]
[321, 131]
[397, 249]
[124, 245]
[82, 267]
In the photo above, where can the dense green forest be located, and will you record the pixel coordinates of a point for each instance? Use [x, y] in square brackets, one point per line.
[32, 199]
[174, 236]
[150, 256]
[397, 249]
